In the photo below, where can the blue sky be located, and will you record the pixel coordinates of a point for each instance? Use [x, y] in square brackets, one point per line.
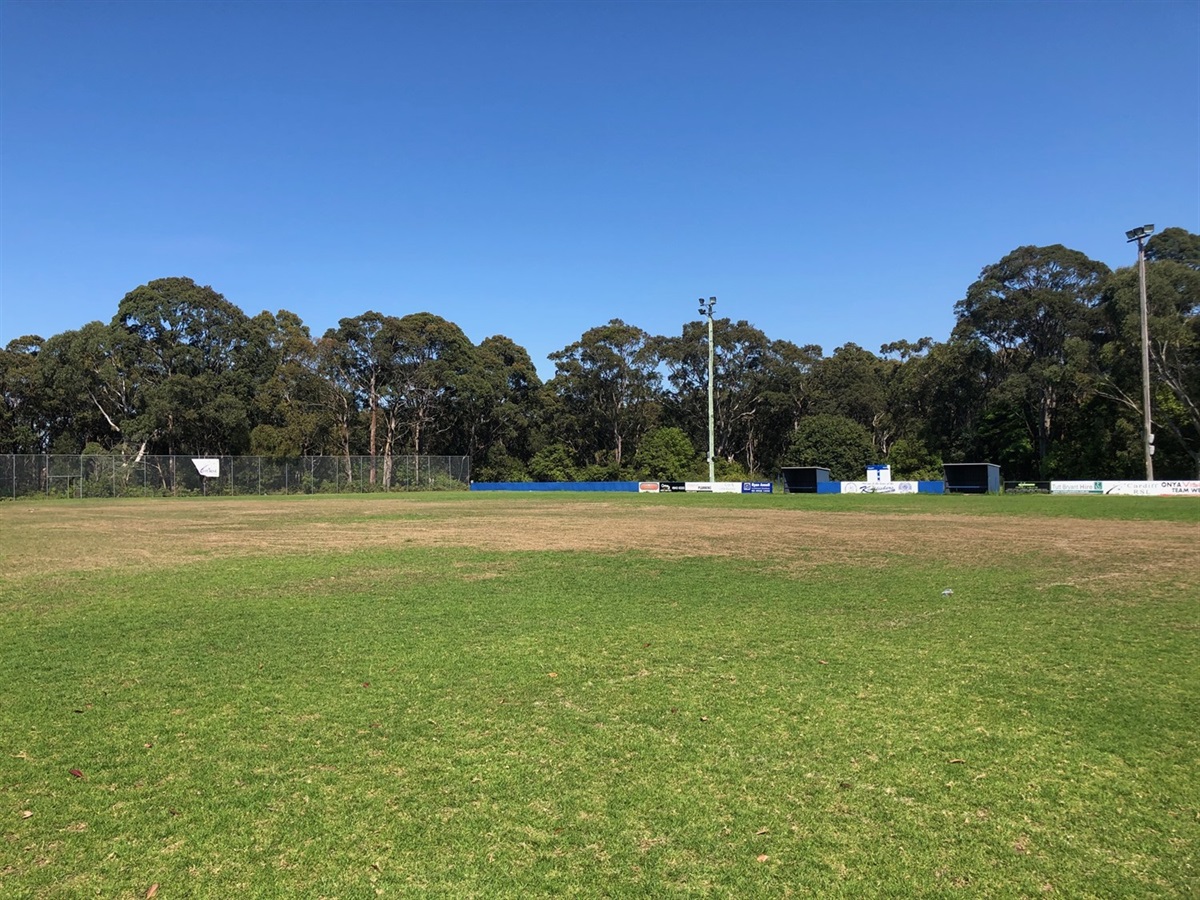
[831, 172]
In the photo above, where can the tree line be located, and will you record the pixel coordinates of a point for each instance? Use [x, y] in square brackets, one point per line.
[1041, 374]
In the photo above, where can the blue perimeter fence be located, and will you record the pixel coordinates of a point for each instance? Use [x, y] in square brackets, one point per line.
[55, 475]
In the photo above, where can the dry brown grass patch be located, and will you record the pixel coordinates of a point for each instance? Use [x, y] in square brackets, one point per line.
[49, 538]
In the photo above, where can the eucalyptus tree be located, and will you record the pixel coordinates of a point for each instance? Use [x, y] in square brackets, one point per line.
[1173, 324]
[342, 398]
[1176, 244]
[93, 388]
[428, 357]
[496, 409]
[183, 346]
[608, 391]
[357, 358]
[294, 404]
[24, 425]
[854, 383]
[788, 395]
[945, 392]
[1035, 310]
[758, 386]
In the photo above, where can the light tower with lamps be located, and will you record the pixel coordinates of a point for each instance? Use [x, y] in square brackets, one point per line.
[1140, 235]
[706, 309]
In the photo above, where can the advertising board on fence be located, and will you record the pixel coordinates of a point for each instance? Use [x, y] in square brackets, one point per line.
[713, 487]
[706, 487]
[878, 487]
[1128, 488]
[209, 468]
[1153, 488]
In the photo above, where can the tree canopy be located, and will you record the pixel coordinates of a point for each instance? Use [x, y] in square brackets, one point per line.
[1041, 375]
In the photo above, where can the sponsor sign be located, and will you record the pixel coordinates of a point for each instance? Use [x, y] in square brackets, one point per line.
[709, 487]
[726, 487]
[1128, 488]
[1153, 488]
[713, 487]
[208, 468]
[648, 487]
[872, 487]
[1077, 487]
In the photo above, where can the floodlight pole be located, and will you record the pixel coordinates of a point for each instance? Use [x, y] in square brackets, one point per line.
[706, 309]
[1140, 235]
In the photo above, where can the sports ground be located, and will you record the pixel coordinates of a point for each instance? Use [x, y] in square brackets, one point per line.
[499, 695]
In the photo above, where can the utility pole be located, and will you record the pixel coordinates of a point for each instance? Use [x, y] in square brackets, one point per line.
[1140, 235]
[706, 309]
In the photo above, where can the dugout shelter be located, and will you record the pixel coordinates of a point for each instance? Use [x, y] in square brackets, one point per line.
[803, 479]
[972, 478]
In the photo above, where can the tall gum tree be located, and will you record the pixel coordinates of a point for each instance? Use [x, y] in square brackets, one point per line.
[756, 382]
[608, 387]
[1173, 324]
[187, 342]
[23, 425]
[356, 357]
[292, 402]
[1036, 310]
[428, 358]
[496, 406]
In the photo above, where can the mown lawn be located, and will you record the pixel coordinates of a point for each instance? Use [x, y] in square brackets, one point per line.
[459, 722]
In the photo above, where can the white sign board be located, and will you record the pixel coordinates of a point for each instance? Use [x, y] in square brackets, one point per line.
[209, 468]
[1153, 488]
[879, 474]
[713, 487]
[1128, 488]
[874, 487]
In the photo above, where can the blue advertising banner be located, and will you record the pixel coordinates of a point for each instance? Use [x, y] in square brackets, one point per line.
[757, 487]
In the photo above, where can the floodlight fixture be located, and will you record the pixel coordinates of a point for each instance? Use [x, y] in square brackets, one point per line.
[1138, 234]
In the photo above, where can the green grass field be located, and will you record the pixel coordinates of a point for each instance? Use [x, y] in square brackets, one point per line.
[443, 696]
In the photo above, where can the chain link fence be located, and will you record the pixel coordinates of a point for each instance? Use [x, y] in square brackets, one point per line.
[53, 475]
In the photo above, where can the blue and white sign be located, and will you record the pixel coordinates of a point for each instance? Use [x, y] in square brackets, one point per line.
[879, 474]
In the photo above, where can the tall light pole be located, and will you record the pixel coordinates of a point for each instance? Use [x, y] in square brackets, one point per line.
[706, 309]
[1140, 235]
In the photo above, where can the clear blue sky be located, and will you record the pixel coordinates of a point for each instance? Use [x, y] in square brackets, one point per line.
[832, 172]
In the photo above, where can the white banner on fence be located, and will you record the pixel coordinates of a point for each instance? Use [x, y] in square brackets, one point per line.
[1128, 488]
[713, 487]
[1153, 488]
[1077, 487]
[875, 487]
[209, 468]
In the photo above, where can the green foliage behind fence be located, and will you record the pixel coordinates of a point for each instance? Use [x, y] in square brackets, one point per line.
[88, 475]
